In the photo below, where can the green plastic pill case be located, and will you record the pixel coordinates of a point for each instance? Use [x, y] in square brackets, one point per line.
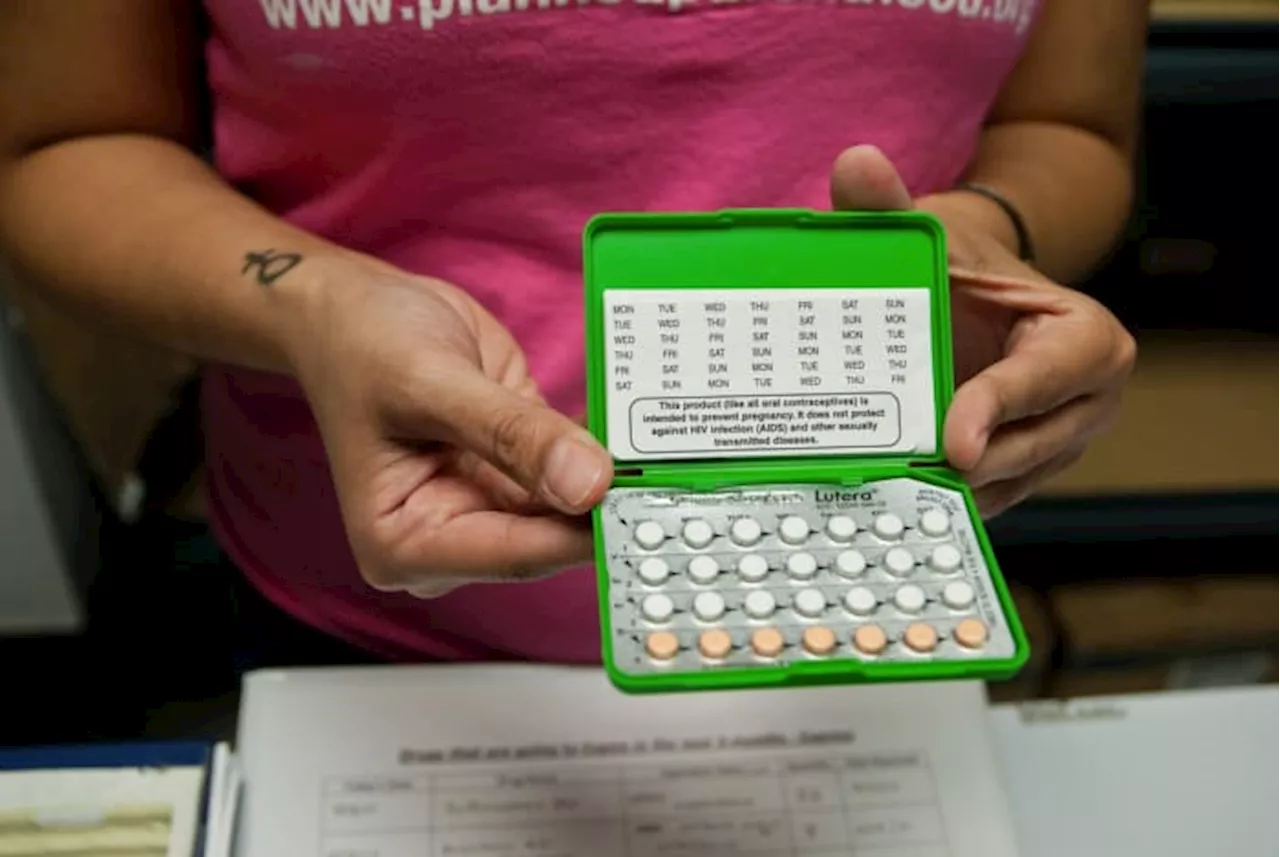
[772, 386]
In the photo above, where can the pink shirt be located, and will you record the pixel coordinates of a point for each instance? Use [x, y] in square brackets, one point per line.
[471, 140]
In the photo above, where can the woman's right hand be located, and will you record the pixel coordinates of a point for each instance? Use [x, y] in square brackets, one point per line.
[448, 465]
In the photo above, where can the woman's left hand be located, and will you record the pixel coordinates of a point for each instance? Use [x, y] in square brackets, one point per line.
[1039, 367]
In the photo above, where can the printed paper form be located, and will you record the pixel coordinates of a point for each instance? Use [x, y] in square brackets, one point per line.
[1175, 773]
[549, 762]
[744, 373]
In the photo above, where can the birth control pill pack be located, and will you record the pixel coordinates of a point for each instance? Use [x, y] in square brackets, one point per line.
[772, 385]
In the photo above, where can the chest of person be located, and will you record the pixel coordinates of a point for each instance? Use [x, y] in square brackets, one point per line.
[442, 59]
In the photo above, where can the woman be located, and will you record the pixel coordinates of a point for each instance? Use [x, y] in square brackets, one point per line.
[380, 267]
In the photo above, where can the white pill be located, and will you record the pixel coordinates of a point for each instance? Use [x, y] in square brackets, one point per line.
[945, 558]
[708, 606]
[658, 608]
[703, 569]
[860, 601]
[958, 595]
[841, 528]
[909, 599]
[793, 529]
[654, 571]
[753, 568]
[698, 534]
[809, 602]
[649, 535]
[759, 604]
[851, 563]
[887, 526]
[745, 531]
[899, 561]
[935, 522]
[802, 565]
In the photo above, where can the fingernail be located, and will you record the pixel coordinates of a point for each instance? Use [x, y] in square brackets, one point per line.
[573, 469]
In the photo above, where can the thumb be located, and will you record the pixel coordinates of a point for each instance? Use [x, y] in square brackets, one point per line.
[863, 179]
[543, 451]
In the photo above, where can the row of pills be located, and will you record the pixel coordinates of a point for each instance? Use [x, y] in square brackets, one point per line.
[793, 530]
[753, 568]
[808, 603]
[919, 637]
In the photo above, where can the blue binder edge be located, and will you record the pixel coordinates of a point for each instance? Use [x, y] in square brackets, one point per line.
[140, 754]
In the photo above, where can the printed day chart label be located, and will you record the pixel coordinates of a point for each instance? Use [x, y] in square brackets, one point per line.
[719, 373]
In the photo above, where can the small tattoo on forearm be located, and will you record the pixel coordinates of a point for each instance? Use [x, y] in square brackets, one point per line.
[269, 265]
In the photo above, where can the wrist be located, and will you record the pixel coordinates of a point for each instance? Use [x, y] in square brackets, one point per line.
[304, 304]
[970, 212]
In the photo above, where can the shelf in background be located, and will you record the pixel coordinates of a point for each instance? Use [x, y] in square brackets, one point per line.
[1200, 11]
[1198, 415]
[1111, 518]
[1202, 52]
[1191, 456]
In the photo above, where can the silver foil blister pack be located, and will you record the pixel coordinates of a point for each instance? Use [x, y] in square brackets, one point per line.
[686, 590]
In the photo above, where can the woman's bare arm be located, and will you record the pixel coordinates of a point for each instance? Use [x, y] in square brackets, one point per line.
[104, 207]
[1060, 140]
[446, 469]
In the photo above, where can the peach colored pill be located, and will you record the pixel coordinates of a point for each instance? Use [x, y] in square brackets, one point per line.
[819, 640]
[662, 646]
[971, 633]
[715, 644]
[920, 637]
[870, 639]
[767, 642]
